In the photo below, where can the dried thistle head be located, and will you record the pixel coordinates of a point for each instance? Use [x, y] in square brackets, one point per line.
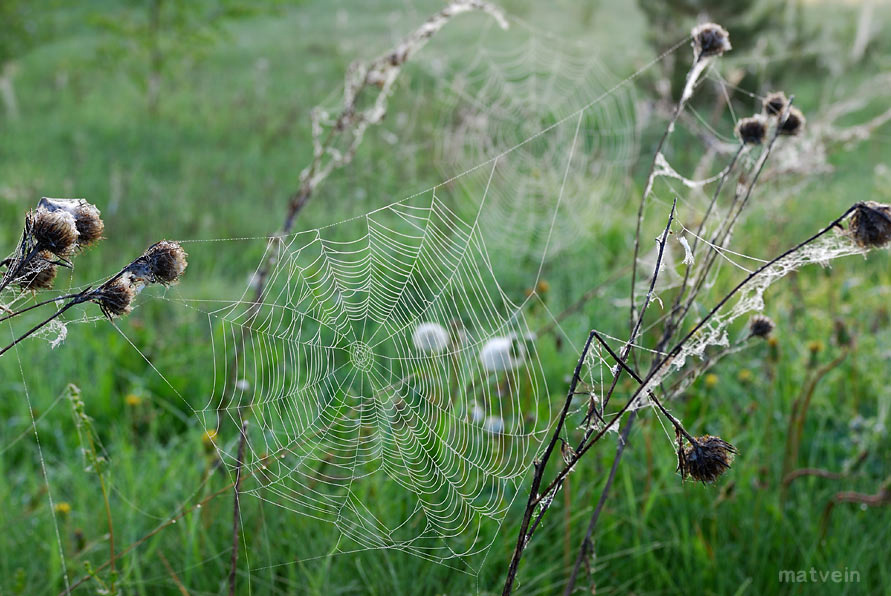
[774, 104]
[752, 130]
[52, 231]
[115, 297]
[163, 262]
[793, 124]
[87, 218]
[38, 273]
[710, 39]
[761, 326]
[706, 459]
[871, 224]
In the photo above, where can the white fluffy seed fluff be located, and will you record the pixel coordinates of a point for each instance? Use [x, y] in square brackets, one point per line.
[430, 338]
[496, 354]
[494, 425]
[477, 412]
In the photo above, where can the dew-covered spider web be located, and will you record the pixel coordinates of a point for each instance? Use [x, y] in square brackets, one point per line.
[507, 93]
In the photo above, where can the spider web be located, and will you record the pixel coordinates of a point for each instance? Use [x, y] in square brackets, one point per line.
[505, 94]
[340, 391]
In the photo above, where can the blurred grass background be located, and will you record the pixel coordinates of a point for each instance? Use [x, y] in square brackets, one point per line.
[217, 157]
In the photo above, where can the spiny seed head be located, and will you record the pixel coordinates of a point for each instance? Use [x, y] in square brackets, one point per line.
[871, 224]
[761, 326]
[752, 131]
[774, 103]
[710, 39]
[86, 217]
[115, 298]
[706, 459]
[39, 273]
[53, 231]
[793, 124]
[163, 263]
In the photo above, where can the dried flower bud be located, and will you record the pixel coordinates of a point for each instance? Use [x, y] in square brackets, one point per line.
[115, 298]
[706, 459]
[793, 124]
[86, 217]
[871, 224]
[774, 103]
[761, 326]
[53, 231]
[710, 39]
[38, 273]
[163, 263]
[843, 337]
[751, 131]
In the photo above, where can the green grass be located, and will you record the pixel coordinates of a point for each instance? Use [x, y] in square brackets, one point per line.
[220, 160]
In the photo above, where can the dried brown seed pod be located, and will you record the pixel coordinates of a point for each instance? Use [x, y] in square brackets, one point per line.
[710, 39]
[115, 298]
[793, 124]
[167, 260]
[86, 217]
[163, 262]
[774, 104]
[752, 130]
[53, 231]
[706, 459]
[38, 274]
[871, 224]
[761, 326]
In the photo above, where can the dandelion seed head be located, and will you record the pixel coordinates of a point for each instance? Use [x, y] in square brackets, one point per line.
[430, 338]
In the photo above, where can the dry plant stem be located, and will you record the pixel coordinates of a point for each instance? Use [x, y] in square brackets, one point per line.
[723, 233]
[38, 305]
[675, 307]
[802, 472]
[78, 299]
[539, 466]
[674, 421]
[173, 576]
[14, 273]
[799, 413]
[526, 531]
[658, 366]
[882, 497]
[694, 71]
[236, 516]
[626, 349]
[592, 523]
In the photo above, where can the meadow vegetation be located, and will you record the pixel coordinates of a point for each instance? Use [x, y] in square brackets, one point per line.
[218, 152]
